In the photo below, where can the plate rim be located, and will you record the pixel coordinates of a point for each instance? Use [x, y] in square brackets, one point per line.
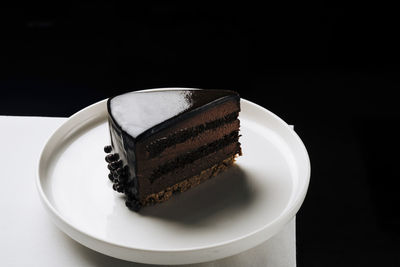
[276, 224]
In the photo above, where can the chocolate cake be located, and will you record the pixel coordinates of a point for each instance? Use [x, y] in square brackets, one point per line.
[168, 141]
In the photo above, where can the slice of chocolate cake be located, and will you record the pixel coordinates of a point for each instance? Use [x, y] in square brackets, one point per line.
[169, 141]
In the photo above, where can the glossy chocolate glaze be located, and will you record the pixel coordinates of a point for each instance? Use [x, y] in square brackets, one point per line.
[127, 146]
[194, 101]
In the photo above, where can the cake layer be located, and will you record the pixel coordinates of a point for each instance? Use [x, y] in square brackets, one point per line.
[170, 153]
[214, 113]
[182, 171]
[158, 146]
[189, 157]
[188, 183]
[157, 169]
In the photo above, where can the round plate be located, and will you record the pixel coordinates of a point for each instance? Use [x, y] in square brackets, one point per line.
[228, 214]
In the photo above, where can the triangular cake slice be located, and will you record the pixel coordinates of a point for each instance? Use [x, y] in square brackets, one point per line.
[169, 141]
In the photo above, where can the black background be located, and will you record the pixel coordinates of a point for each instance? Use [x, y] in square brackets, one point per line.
[332, 72]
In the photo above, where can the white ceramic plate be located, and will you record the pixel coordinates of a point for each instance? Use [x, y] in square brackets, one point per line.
[232, 212]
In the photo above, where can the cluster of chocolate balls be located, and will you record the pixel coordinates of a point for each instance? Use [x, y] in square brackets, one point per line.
[120, 177]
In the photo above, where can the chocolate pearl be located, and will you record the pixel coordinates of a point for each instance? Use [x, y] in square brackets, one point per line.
[130, 192]
[119, 163]
[128, 203]
[133, 205]
[115, 187]
[122, 179]
[115, 156]
[120, 189]
[111, 177]
[109, 158]
[108, 149]
[120, 171]
[110, 167]
[137, 206]
[116, 164]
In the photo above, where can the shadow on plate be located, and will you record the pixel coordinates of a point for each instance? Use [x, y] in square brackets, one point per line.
[220, 196]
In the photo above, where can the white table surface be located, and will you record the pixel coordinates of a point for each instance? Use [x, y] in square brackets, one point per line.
[29, 238]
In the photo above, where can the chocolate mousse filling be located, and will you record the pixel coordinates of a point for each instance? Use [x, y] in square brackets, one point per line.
[190, 157]
[159, 145]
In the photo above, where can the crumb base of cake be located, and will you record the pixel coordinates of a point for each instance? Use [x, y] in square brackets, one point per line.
[188, 183]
